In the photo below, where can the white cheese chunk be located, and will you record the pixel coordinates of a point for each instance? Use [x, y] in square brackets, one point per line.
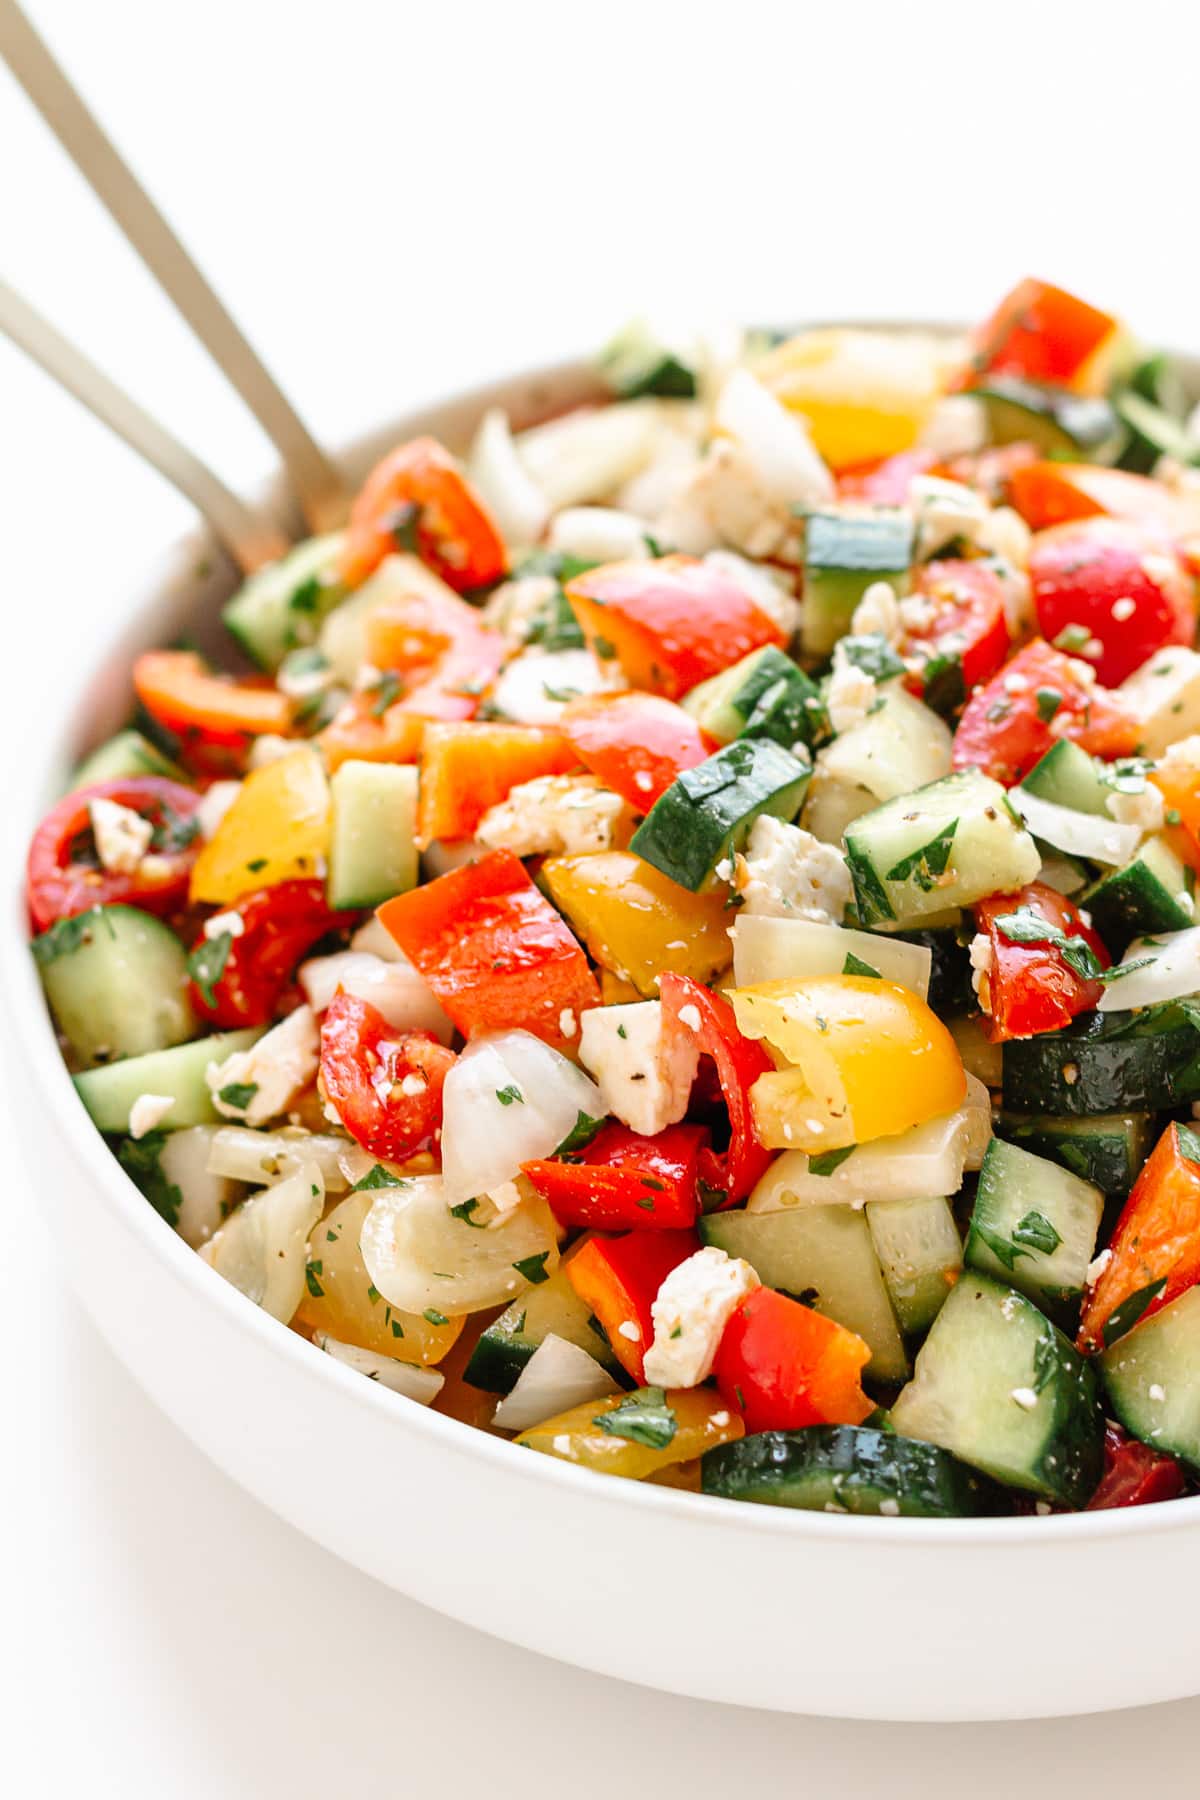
[850, 695]
[277, 1069]
[147, 1112]
[879, 613]
[690, 1312]
[1164, 697]
[599, 534]
[645, 1078]
[787, 873]
[944, 512]
[122, 836]
[554, 815]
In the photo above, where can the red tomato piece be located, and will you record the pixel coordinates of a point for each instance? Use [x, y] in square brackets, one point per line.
[990, 472]
[1120, 584]
[1134, 1474]
[670, 622]
[619, 1278]
[623, 1182]
[886, 482]
[178, 690]
[1042, 333]
[62, 878]
[784, 1366]
[1030, 986]
[1051, 493]
[1042, 694]
[1156, 1243]
[385, 1085]
[706, 1020]
[420, 484]
[964, 634]
[636, 744]
[279, 924]
[494, 950]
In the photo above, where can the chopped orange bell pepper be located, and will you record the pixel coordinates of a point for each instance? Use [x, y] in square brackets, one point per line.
[357, 733]
[467, 768]
[1180, 789]
[1042, 333]
[1050, 493]
[1156, 1244]
[178, 690]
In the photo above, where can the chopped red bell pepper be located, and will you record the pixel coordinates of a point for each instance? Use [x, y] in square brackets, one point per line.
[707, 1022]
[618, 1278]
[384, 1085]
[1042, 694]
[1119, 585]
[784, 1366]
[887, 481]
[670, 622]
[623, 1182]
[961, 635]
[420, 487]
[1042, 333]
[494, 951]
[244, 977]
[636, 744]
[1031, 985]
[62, 878]
[1051, 493]
[1156, 1244]
[990, 472]
[1134, 1474]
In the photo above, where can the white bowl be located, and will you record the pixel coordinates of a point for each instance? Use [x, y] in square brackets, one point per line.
[798, 1612]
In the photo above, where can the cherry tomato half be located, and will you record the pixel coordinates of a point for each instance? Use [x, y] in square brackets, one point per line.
[962, 639]
[1120, 584]
[1040, 695]
[385, 1085]
[1031, 986]
[421, 485]
[249, 971]
[62, 879]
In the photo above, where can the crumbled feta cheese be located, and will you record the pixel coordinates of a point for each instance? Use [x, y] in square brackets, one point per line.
[1025, 1397]
[850, 695]
[644, 1074]
[889, 1508]
[981, 967]
[1097, 1267]
[505, 1198]
[879, 613]
[412, 1085]
[598, 534]
[122, 836]
[268, 749]
[769, 588]
[567, 1023]
[213, 807]
[147, 1111]
[1182, 758]
[628, 1329]
[1145, 810]
[1156, 1391]
[278, 1067]
[690, 1312]
[943, 512]
[787, 873]
[554, 815]
[222, 923]
[690, 1016]
[1123, 609]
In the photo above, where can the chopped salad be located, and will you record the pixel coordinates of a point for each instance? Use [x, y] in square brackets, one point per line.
[683, 951]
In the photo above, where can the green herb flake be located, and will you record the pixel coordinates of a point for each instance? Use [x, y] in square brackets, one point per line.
[533, 1268]
[1005, 1252]
[383, 693]
[854, 965]
[312, 1271]
[1037, 1233]
[1188, 1142]
[870, 895]
[434, 1316]
[642, 1417]
[1048, 702]
[580, 1134]
[464, 1210]
[206, 964]
[603, 648]
[259, 863]
[1124, 1317]
[926, 865]
[139, 1157]
[238, 1094]
[832, 1159]
[70, 935]
[510, 1095]
[621, 1032]
[873, 655]
[378, 1177]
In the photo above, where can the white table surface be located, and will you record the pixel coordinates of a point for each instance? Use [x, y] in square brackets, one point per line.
[396, 199]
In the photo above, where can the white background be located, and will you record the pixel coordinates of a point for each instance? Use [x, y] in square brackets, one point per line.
[397, 198]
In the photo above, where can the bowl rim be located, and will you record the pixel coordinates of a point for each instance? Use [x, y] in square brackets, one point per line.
[31, 1027]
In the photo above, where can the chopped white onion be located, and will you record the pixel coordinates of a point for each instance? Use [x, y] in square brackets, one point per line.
[443, 855]
[206, 1195]
[774, 949]
[536, 687]
[1172, 971]
[1079, 834]
[557, 1377]
[421, 1385]
[776, 440]
[261, 1157]
[395, 989]
[420, 1255]
[374, 939]
[508, 1100]
[263, 1247]
[504, 484]
[599, 534]
[588, 453]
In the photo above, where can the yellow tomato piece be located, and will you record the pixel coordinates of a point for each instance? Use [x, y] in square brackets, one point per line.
[702, 1420]
[864, 394]
[276, 830]
[636, 922]
[339, 1298]
[865, 1059]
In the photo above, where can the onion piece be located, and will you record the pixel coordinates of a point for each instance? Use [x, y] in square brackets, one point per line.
[1079, 834]
[206, 1195]
[395, 988]
[260, 1158]
[537, 686]
[509, 1099]
[263, 1248]
[510, 493]
[587, 453]
[774, 949]
[422, 1256]
[776, 440]
[599, 534]
[374, 939]
[421, 1385]
[558, 1376]
[1171, 972]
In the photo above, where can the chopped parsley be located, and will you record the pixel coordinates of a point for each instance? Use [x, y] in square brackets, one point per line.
[379, 1177]
[139, 1157]
[434, 1316]
[238, 1094]
[509, 1095]
[832, 1159]
[206, 964]
[70, 935]
[1124, 1317]
[854, 965]
[643, 1417]
[926, 865]
[312, 1271]
[386, 690]
[1036, 1231]
[582, 1132]
[464, 1210]
[533, 1268]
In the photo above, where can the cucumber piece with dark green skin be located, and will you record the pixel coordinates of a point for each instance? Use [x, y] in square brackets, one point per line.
[1052, 419]
[707, 812]
[850, 1469]
[1068, 776]
[1152, 893]
[1152, 433]
[765, 695]
[281, 606]
[1106, 1063]
[176, 1074]
[844, 552]
[1152, 1378]
[637, 361]
[1107, 1149]
[509, 1341]
[1001, 1388]
[950, 989]
[1034, 1225]
[117, 982]
[122, 757]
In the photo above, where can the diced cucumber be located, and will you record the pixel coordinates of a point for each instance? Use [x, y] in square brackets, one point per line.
[178, 1073]
[1164, 697]
[1152, 893]
[950, 989]
[845, 550]
[373, 849]
[899, 746]
[1152, 1378]
[638, 360]
[1106, 1063]
[1034, 1225]
[1153, 433]
[1000, 1387]
[343, 635]
[127, 754]
[824, 1252]
[1108, 1149]
[1068, 776]
[851, 1469]
[117, 983]
[281, 607]
[770, 949]
[947, 844]
[707, 812]
[509, 1341]
[763, 695]
[1050, 418]
[921, 1255]
[980, 1056]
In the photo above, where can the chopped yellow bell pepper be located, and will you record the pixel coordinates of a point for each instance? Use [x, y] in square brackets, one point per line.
[701, 1422]
[277, 829]
[865, 394]
[637, 922]
[863, 1059]
[340, 1300]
